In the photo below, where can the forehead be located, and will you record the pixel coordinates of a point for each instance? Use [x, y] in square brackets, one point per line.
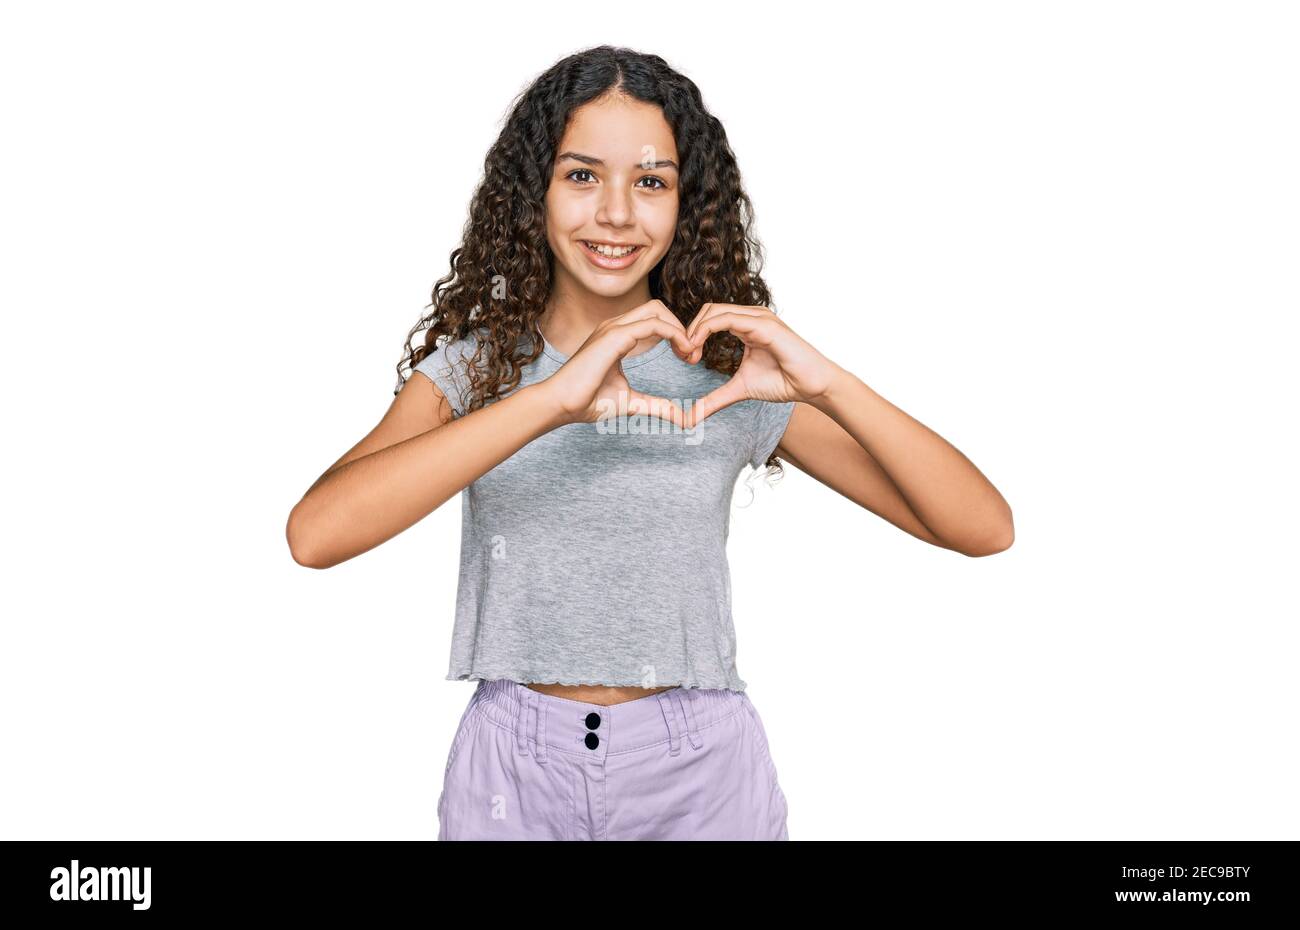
[618, 130]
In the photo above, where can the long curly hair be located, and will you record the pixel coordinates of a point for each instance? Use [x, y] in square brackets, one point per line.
[713, 256]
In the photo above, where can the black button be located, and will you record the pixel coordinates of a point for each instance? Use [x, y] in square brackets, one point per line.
[593, 720]
[592, 740]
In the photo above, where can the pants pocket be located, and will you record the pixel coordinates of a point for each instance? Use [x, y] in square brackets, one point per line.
[469, 724]
[491, 791]
[766, 753]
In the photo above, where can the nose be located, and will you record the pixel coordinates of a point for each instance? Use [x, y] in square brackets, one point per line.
[615, 206]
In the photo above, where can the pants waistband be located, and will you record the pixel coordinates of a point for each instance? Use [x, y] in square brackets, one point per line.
[543, 723]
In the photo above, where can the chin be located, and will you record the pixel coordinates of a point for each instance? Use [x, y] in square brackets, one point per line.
[611, 288]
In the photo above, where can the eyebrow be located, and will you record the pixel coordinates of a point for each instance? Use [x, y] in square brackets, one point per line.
[593, 160]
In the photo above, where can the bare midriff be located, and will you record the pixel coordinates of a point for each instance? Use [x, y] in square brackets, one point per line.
[597, 694]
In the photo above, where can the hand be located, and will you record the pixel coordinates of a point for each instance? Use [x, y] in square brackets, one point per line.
[777, 366]
[590, 386]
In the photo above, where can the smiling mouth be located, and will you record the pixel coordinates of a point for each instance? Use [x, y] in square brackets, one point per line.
[610, 251]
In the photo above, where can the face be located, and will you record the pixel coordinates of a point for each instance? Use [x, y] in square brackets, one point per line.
[615, 181]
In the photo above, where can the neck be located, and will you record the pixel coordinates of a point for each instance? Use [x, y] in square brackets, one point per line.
[570, 317]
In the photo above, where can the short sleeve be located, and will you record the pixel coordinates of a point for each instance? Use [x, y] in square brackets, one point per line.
[447, 367]
[770, 421]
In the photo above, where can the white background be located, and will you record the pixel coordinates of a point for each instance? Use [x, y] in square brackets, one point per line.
[1064, 236]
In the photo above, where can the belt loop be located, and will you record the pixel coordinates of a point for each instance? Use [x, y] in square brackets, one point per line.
[521, 720]
[688, 711]
[540, 710]
[669, 710]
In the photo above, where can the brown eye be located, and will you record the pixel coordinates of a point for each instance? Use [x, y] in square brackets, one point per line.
[578, 171]
[659, 181]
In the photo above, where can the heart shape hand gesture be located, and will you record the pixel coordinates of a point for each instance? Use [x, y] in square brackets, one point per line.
[777, 365]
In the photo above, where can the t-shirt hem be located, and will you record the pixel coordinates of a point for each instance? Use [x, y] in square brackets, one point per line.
[737, 684]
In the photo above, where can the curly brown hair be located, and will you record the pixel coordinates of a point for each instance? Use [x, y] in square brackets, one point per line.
[713, 256]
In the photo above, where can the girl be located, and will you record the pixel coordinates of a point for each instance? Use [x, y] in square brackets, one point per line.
[599, 366]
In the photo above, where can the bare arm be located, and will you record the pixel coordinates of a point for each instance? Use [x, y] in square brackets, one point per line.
[413, 462]
[418, 457]
[854, 441]
[857, 443]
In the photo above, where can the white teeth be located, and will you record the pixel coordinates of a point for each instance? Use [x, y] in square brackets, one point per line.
[609, 251]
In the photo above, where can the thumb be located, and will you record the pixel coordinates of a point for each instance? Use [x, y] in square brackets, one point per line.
[733, 392]
[639, 404]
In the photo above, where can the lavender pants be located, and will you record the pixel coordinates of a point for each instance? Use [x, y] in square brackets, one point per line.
[681, 764]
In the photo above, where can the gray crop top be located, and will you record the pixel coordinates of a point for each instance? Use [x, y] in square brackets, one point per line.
[596, 554]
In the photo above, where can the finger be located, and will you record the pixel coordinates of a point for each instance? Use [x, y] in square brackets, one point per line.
[710, 312]
[671, 319]
[639, 404]
[649, 309]
[750, 327]
[705, 312]
[733, 392]
[632, 333]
